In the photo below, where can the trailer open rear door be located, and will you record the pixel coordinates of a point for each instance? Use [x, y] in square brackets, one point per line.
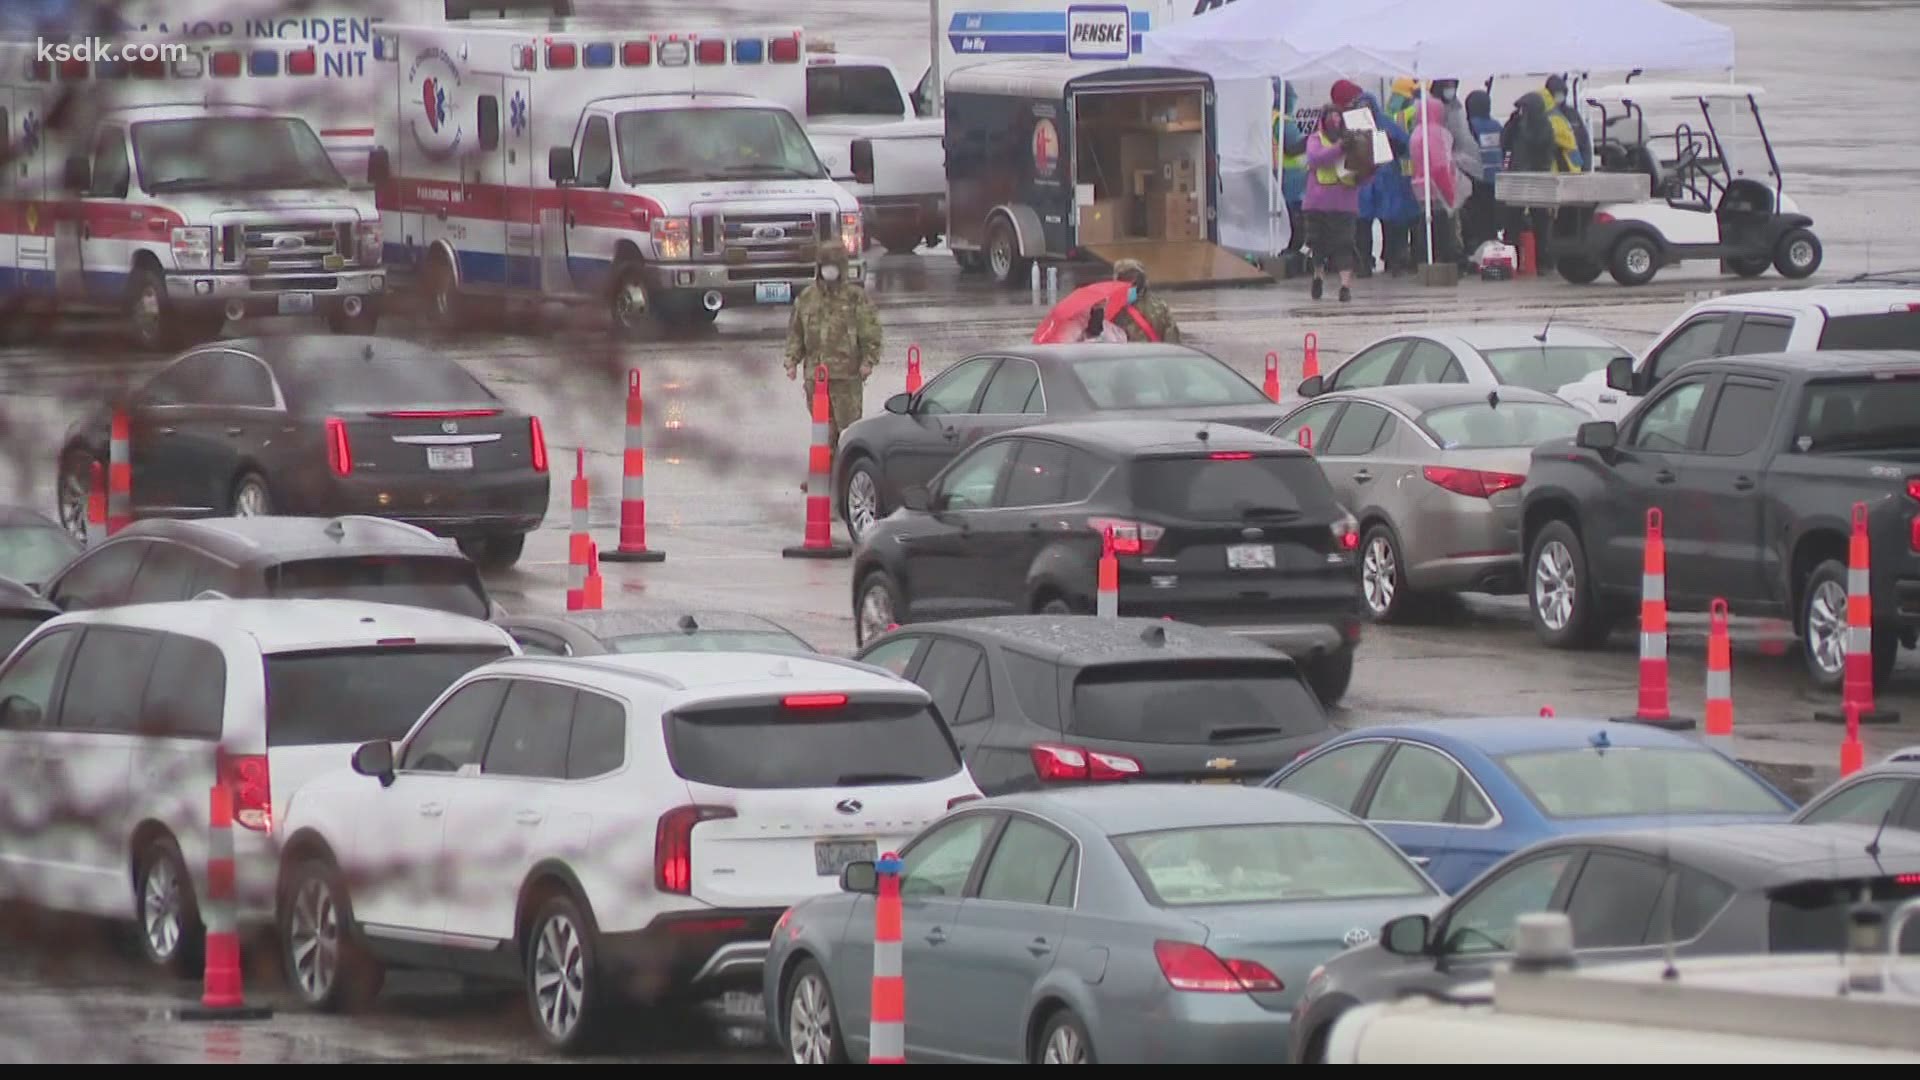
[1172, 263]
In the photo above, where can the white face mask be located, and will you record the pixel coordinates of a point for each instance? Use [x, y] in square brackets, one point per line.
[829, 273]
[1448, 95]
[1559, 99]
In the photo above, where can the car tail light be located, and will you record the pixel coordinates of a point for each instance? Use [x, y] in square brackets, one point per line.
[1913, 488]
[339, 448]
[1129, 537]
[958, 800]
[1195, 967]
[245, 778]
[538, 437]
[1227, 455]
[1475, 483]
[1906, 879]
[1065, 764]
[814, 701]
[673, 846]
[1346, 534]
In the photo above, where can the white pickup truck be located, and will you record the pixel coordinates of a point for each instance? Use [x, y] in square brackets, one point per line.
[865, 131]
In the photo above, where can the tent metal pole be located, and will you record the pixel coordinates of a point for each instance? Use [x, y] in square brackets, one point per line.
[1426, 162]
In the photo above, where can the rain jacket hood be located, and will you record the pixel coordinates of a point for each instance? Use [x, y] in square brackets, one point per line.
[1480, 104]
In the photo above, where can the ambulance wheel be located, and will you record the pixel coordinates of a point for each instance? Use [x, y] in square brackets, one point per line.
[1579, 269]
[1749, 265]
[1797, 255]
[1004, 260]
[442, 293]
[631, 305]
[1634, 261]
[150, 314]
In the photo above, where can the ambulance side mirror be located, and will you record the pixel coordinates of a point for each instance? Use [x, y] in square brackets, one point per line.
[489, 122]
[379, 165]
[560, 165]
[78, 174]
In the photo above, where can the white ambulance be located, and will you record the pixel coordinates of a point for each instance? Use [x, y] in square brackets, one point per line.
[166, 191]
[662, 174]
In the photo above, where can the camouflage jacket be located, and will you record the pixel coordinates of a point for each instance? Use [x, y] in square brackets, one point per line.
[1158, 315]
[838, 327]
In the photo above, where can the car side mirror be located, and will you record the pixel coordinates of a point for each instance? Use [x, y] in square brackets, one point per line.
[917, 498]
[1598, 435]
[489, 122]
[560, 165]
[78, 174]
[1620, 374]
[1314, 386]
[900, 404]
[379, 166]
[1406, 935]
[859, 877]
[375, 759]
[19, 712]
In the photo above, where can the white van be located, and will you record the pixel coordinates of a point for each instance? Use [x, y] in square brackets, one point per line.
[112, 721]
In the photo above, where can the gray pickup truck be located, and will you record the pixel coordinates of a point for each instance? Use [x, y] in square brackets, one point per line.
[1755, 463]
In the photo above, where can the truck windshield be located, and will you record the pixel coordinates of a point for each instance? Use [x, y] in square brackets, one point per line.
[230, 153]
[715, 144]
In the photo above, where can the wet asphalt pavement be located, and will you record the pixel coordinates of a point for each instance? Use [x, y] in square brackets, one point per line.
[727, 442]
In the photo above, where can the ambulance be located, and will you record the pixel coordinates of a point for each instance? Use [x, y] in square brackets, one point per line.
[172, 193]
[664, 175]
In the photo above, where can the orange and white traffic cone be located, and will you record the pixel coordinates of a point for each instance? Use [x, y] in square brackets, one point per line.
[1272, 385]
[119, 474]
[97, 505]
[1852, 754]
[913, 369]
[223, 994]
[1653, 635]
[579, 542]
[1719, 674]
[594, 596]
[633, 486]
[887, 1038]
[1310, 359]
[1856, 687]
[819, 535]
[1106, 600]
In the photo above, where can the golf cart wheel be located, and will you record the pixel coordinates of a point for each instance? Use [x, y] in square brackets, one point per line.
[1579, 269]
[1798, 254]
[1634, 261]
[1749, 265]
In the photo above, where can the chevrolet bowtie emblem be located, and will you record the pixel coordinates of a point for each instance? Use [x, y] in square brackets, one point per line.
[1222, 763]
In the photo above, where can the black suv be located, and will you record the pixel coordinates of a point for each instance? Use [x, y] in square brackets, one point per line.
[1212, 524]
[1041, 700]
[344, 558]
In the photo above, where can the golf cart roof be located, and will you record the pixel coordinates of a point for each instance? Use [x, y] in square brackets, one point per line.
[1672, 91]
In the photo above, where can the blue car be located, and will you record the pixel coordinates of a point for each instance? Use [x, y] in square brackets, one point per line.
[1459, 795]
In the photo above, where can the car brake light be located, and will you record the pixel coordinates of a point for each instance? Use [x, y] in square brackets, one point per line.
[1913, 541]
[673, 846]
[1474, 483]
[1195, 967]
[436, 414]
[246, 780]
[959, 799]
[339, 448]
[1346, 533]
[1129, 537]
[1913, 488]
[1231, 456]
[1064, 764]
[537, 436]
[1906, 879]
[814, 701]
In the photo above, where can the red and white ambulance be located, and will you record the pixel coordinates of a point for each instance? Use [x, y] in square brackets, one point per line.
[174, 193]
[665, 175]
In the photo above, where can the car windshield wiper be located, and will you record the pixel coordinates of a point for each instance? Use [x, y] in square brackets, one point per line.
[879, 778]
[771, 170]
[664, 172]
[181, 183]
[1243, 731]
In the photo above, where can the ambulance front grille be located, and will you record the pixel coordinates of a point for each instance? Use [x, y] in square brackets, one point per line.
[760, 238]
[282, 248]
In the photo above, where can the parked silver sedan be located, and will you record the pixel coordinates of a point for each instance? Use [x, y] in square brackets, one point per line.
[1547, 358]
[1168, 923]
[1433, 473]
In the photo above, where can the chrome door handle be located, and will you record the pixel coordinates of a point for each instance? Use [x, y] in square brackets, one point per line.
[1362, 476]
[235, 432]
[1743, 483]
[952, 434]
[936, 936]
[529, 817]
[431, 809]
[1664, 476]
[1039, 947]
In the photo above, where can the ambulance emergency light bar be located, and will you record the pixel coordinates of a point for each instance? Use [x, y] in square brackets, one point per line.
[673, 51]
[223, 64]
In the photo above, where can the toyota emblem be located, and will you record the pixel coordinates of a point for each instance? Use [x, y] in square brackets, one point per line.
[1357, 937]
[849, 806]
[449, 427]
[769, 233]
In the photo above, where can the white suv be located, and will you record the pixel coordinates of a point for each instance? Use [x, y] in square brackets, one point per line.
[607, 827]
[116, 723]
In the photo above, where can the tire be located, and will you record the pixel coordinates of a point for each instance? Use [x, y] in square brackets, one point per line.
[442, 293]
[1064, 1041]
[564, 988]
[1055, 605]
[1383, 577]
[1798, 254]
[326, 965]
[1557, 579]
[73, 484]
[151, 319]
[1579, 269]
[861, 499]
[498, 551]
[1823, 622]
[1635, 260]
[629, 304]
[166, 914]
[251, 497]
[970, 262]
[1330, 676]
[875, 607]
[1004, 260]
[1749, 266]
[810, 1023]
[362, 324]
[900, 243]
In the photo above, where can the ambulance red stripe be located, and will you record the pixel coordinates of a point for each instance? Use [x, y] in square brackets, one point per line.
[500, 202]
[104, 221]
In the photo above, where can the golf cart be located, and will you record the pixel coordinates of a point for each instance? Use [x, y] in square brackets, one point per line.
[1705, 184]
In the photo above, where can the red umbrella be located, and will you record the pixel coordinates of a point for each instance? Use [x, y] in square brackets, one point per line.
[1068, 319]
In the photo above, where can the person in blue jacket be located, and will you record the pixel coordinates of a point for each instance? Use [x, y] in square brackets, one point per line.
[1480, 221]
[1290, 165]
[1387, 198]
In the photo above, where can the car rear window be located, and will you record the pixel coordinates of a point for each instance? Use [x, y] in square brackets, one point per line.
[776, 745]
[415, 377]
[438, 582]
[1202, 702]
[14, 628]
[709, 641]
[1160, 381]
[1547, 368]
[1860, 415]
[1811, 916]
[30, 554]
[1246, 864]
[1628, 781]
[1882, 330]
[360, 694]
[1478, 425]
[1228, 487]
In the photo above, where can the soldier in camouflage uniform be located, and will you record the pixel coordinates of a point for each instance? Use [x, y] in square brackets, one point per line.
[834, 323]
[1150, 307]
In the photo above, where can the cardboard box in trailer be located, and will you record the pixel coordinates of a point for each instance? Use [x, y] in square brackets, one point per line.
[1050, 161]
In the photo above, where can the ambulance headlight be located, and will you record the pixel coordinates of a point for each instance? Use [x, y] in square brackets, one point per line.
[672, 238]
[193, 248]
[853, 233]
[371, 241]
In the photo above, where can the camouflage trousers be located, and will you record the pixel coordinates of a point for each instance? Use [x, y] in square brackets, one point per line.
[846, 397]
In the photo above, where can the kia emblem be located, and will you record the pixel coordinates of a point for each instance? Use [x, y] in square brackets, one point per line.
[450, 427]
[849, 806]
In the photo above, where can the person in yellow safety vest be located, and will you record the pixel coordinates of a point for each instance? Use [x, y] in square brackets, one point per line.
[1290, 167]
[1403, 108]
[1566, 145]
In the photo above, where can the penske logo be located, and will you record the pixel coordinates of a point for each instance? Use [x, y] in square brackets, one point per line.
[1099, 32]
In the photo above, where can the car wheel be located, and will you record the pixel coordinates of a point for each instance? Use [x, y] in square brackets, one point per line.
[1565, 611]
[1004, 261]
[150, 315]
[1579, 269]
[168, 918]
[876, 607]
[630, 304]
[251, 497]
[1065, 1042]
[1330, 676]
[1383, 581]
[1749, 266]
[1797, 255]
[861, 504]
[498, 551]
[75, 485]
[1634, 261]
[563, 986]
[325, 964]
[813, 1026]
[1055, 605]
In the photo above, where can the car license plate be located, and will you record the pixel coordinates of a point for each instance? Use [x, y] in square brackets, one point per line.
[1250, 557]
[1217, 780]
[449, 457]
[296, 303]
[832, 856]
[742, 1005]
[773, 292]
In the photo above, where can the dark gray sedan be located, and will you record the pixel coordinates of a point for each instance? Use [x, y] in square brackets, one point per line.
[596, 633]
[1164, 923]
